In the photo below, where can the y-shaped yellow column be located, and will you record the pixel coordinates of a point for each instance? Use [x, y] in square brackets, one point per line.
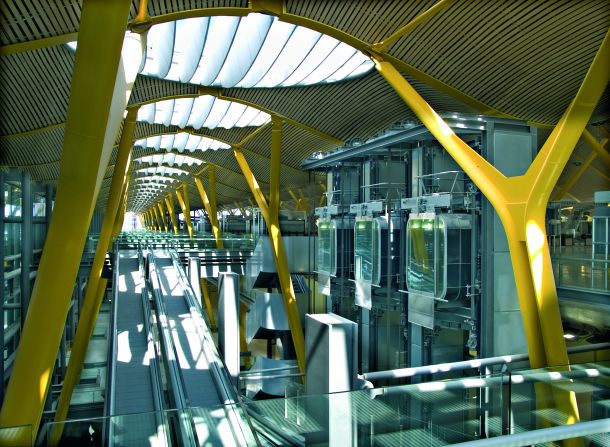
[162, 215]
[93, 299]
[155, 211]
[209, 203]
[186, 208]
[169, 202]
[93, 119]
[270, 212]
[521, 204]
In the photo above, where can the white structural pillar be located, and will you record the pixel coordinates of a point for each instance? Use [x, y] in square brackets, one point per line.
[331, 352]
[228, 322]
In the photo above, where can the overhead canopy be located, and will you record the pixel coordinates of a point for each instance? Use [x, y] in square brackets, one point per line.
[522, 58]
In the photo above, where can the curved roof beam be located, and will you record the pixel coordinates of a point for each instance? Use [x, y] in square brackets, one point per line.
[278, 8]
[228, 143]
[217, 93]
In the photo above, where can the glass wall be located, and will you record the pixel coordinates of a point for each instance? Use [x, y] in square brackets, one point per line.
[367, 251]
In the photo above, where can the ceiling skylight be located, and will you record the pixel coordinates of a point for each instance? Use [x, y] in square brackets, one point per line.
[181, 141]
[169, 159]
[162, 170]
[203, 111]
[253, 51]
[155, 179]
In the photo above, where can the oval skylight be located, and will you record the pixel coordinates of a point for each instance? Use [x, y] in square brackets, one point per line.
[162, 170]
[155, 179]
[181, 141]
[253, 51]
[204, 111]
[169, 159]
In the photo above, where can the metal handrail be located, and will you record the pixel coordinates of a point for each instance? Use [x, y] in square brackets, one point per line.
[542, 435]
[467, 364]
[185, 432]
[224, 387]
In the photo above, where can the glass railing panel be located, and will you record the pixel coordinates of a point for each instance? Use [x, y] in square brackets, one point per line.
[193, 426]
[582, 273]
[369, 418]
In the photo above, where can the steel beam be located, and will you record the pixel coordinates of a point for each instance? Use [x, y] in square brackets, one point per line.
[209, 203]
[163, 216]
[186, 209]
[171, 209]
[94, 116]
[269, 210]
[521, 204]
[92, 301]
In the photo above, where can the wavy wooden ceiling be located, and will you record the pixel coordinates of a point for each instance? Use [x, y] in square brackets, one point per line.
[525, 58]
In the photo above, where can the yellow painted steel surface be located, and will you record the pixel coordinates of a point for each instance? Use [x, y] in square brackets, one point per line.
[92, 300]
[269, 210]
[598, 147]
[91, 123]
[210, 208]
[162, 215]
[521, 204]
[186, 210]
[157, 217]
[169, 202]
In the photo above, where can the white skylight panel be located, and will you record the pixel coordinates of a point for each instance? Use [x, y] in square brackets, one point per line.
[234, 113]
[212, 144]
[260, 119]
[221, 32]
[257, 50]
[248, 41]
[348, 67]
[190, 39]
[186, 160]
[219, 109]
[366, 66]
[320, 51]
[331, 64]
[164, 111]
[159, 49]
[170, 159]
[278, 35]
[192, 143]
[292, 55]
[147, 113]
[182, 111]
[167, 141]
[180, 140]
[247, 117]
[162, 170]
[200, 111]
[156, 180]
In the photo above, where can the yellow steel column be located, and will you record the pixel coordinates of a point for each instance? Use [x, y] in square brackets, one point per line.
[155, 211]
[186, 210]
[169, 202]
[211, 211]
[270, 214]
[91, 305]
[569, 184]
[93, 120]
[120, 215]
[162, 215]
[213, 203]
[598, 147]
[521, 203]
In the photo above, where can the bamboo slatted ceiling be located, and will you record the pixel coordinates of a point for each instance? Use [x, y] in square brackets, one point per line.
[525, 58]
